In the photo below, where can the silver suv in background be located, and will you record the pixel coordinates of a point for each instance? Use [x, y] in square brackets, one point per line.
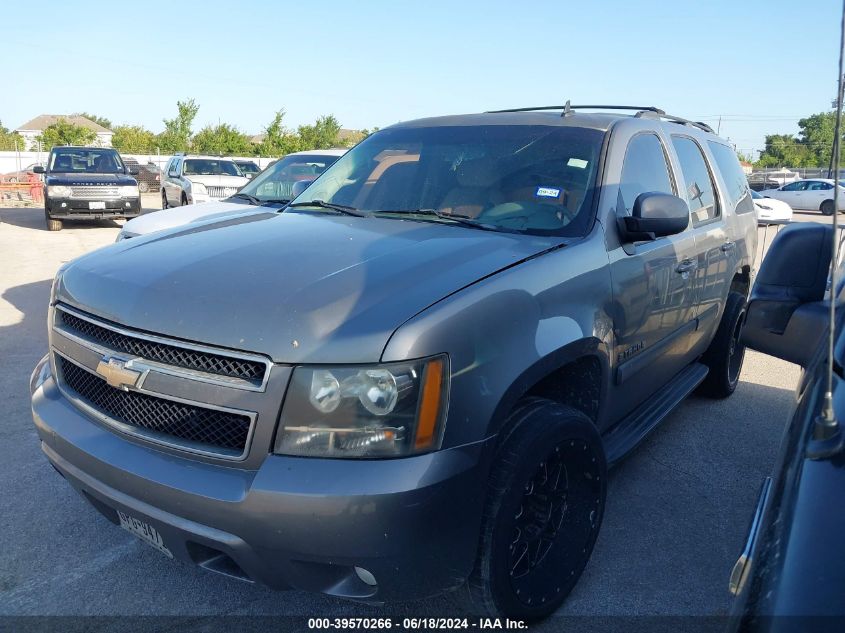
[191, 179]
[414, 378]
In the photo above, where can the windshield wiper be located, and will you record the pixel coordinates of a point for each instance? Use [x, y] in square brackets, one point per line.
[464, 220]
[322, 204]
[246, 196]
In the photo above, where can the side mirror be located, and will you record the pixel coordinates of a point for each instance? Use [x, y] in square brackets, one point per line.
[298, 187]
[787, 315]
[38, 169]
[248, 176]
[655, 215]
[132, 170]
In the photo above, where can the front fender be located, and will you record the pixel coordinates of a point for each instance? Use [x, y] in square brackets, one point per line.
[505, 333]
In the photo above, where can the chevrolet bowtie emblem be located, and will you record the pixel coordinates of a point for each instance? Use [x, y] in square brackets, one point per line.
[117, 374]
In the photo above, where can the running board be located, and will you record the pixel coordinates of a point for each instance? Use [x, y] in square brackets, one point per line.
[634, 428]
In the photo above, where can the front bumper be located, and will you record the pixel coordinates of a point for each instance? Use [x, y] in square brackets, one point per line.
[305, 523]
[197, 198]
[76, 209]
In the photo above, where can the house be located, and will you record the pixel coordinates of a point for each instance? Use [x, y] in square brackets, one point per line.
[34, 128]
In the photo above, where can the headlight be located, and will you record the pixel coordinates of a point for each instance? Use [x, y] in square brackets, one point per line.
[129, 191]
[58, 191]
[197, 187]
[365, 411]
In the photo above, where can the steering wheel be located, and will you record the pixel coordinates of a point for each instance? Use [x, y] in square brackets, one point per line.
[527, 215]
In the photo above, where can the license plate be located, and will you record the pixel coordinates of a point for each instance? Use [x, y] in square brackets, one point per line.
[143, 531]
[96, 205]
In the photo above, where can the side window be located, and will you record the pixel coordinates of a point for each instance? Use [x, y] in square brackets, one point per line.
[700, 192]
[645, 169]
[801, 185]
[819, 186]
[737, 184]
[169, 166]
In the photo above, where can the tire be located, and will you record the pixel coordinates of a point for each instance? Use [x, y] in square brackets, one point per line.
[164, 204]
[726, 352]
[184, 200]
[143, 187]
[52, 224]
[827, 207]
[537, 537]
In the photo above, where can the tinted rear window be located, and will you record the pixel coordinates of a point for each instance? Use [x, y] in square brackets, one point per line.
[739, 194]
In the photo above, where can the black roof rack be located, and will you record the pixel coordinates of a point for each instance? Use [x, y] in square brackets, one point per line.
[641, 111]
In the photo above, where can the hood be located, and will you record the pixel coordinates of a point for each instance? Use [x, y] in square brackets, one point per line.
[170, 218]
[77, 179]
[298, 287]
[219, 180]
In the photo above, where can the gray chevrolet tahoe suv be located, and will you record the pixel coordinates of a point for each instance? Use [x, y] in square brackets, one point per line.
[415, 377]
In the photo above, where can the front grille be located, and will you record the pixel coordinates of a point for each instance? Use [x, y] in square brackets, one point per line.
[94, 192]
[207, 362]
[221, 192]
[166, 418]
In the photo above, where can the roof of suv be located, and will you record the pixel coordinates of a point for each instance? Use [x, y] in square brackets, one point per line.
[562, 116]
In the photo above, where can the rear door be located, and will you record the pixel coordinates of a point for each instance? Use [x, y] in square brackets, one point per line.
[817, 192]
[715, 253]
[653, 285]
[793, 194]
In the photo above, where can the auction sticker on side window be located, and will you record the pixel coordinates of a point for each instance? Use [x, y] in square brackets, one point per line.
[143, 531]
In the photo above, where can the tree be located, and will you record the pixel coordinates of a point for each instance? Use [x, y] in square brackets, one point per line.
[811, 148]
[223, 139]
[817, 133]
[10, 140]
[99, 120]
[133, 139]
[63, 132]
[278, 140]
[177, 131]
[322, 135]
[783, 150]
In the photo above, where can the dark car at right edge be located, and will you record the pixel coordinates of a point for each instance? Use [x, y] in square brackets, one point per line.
[790, 575]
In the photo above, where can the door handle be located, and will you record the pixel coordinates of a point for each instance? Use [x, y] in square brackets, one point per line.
[685, 266]
[728, 246]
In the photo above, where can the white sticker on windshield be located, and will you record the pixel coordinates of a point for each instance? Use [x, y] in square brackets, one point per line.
[580, 163]
[547, 192]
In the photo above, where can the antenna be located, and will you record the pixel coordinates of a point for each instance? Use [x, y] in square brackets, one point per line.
[827, 437]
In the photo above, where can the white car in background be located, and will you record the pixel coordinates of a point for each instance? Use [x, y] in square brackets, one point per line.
[770, 209]
[192, 179]
[812, 194]
[270, 190]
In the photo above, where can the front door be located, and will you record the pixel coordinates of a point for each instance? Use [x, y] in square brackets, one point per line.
[653, 287]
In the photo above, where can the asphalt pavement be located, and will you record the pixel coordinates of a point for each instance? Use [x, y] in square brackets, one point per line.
[677, 509]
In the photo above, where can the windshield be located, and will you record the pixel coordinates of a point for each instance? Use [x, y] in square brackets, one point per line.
[85, 161]
[210, 167]
[277, 181]
[248, 168]
[514, 177]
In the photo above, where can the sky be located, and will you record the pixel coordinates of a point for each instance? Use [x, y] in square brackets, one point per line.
[759, 65]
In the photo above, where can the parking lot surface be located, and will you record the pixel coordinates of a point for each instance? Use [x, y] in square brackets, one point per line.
[677, 509]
